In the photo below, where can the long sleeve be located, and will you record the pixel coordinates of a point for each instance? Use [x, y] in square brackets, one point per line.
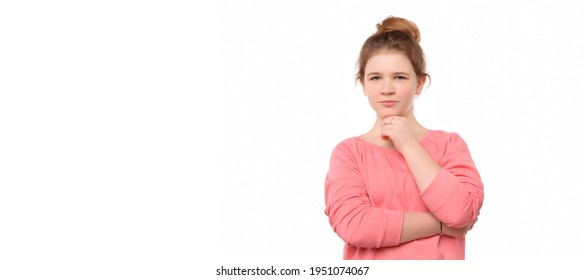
[349, 207]
[455, 196]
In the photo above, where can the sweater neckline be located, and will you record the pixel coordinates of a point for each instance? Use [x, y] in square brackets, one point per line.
[422, 140]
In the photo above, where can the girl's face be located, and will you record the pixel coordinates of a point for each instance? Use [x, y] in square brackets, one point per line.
[390, 84]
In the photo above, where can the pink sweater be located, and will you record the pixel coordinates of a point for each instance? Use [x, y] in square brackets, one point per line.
[368, 188]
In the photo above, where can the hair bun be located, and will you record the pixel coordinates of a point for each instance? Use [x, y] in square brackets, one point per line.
[392, 23]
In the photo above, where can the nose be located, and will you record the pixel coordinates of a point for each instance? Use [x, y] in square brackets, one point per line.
[387, 89]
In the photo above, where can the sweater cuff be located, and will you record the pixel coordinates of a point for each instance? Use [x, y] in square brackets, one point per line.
[396, 221]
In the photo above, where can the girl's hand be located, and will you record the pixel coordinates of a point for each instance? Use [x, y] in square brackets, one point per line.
[458, 232]
[397, 130]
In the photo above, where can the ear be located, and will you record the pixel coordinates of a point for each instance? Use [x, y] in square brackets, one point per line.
[420, 85]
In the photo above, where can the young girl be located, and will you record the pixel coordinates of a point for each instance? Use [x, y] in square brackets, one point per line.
[400, 191]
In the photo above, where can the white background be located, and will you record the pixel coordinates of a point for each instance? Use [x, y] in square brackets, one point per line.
[161, 139]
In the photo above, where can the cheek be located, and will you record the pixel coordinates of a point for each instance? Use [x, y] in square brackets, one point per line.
[408, 90]
[366, 90]
[370, 89]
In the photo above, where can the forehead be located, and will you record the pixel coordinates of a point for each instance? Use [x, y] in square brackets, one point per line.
[391, 61]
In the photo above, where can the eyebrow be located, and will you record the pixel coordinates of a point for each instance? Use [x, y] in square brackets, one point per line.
[393, 73]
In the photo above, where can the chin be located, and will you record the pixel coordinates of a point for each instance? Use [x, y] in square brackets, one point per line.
[385, 114]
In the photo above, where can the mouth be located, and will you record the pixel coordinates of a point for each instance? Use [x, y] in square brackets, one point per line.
[388, 103]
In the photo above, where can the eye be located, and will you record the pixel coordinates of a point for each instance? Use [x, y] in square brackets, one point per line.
[374, 78]
[400, 77]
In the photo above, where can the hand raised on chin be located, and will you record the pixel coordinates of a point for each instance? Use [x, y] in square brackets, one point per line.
[397, 130]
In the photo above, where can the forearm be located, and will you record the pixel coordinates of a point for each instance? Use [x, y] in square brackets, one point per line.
[424, 169]
[418, 225]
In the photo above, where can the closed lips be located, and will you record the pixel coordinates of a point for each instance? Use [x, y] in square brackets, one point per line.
[388, 102]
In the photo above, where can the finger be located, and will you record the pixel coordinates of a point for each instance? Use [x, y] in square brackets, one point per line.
[385, 125]
[392, 120]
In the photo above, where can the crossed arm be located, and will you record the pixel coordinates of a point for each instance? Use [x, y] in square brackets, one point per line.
[452, 193]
